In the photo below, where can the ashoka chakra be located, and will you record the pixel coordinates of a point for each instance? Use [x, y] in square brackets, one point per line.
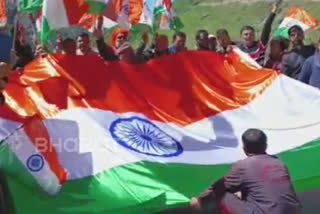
[140, 135]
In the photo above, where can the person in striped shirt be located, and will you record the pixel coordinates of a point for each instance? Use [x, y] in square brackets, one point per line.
[257, 48]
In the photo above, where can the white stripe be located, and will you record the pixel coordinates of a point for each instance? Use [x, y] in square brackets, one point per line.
[123, 18]
[146, 16]
[25, 151]
[7, 127]
[288, 111]
[108, 23]
[55, 13]
[289, 22]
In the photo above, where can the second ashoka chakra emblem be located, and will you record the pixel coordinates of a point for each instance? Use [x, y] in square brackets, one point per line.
[35, 163]
[140, 135]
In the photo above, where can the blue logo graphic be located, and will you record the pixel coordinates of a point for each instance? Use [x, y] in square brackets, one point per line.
[140, 135]
[35, 163]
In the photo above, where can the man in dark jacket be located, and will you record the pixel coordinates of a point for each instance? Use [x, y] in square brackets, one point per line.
[293, 61]
[257, 49]
[263, 180]
[310, 72]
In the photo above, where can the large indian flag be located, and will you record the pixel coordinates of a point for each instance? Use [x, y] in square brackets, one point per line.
[83, 136]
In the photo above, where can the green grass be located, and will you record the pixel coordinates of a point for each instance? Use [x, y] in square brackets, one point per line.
[233, 16]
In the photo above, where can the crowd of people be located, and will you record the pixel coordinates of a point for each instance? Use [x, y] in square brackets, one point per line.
[289, 56]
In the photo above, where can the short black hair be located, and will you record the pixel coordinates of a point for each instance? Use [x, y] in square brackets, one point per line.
[200, 32]
[68, 40]
[295, 28]
[179, 34]
[221, 32]
[247, 27]
[283, 43]
[254, 141]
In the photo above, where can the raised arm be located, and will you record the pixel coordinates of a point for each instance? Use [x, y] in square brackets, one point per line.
[105, 51]
[265, 35]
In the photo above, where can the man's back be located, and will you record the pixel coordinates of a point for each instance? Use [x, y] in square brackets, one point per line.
[265, 185]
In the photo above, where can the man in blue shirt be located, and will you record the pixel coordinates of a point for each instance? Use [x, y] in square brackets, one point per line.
[310, 72]
[6, 46]
[179, 43]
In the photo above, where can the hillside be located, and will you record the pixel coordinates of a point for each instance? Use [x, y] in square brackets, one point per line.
[233, 14]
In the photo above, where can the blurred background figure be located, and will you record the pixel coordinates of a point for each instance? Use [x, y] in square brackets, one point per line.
[179, 43]
[69, 47]
[212, 42]
[84, 46]
[278, 46]
[202, 40]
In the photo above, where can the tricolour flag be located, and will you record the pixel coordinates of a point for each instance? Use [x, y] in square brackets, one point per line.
[89, 21]
[165, 15]
[297, 16]
[96, 6]
[129, 12]
[60, 14]
[119, 138]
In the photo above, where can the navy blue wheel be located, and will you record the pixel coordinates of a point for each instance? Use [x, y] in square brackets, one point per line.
[35, 163]
[140, 135]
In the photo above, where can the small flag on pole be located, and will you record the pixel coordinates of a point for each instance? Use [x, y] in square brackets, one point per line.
[297, 16]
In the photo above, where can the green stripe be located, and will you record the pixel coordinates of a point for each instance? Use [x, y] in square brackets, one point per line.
[96, 7]
[176, 24]
[135, 188]
[159, 11]
[30, 5]
[282, 32]
[46, 32]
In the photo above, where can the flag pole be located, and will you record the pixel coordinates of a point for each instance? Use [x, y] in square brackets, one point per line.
[15, 31]
[16, 24]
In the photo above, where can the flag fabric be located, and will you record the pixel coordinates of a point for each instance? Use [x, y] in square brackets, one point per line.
[60, 14]
[165, 16]
[30, 5]
[3, 13]
[97, 6]
[129, 12]
[80, 135]
[297, 16]
[89, 20]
